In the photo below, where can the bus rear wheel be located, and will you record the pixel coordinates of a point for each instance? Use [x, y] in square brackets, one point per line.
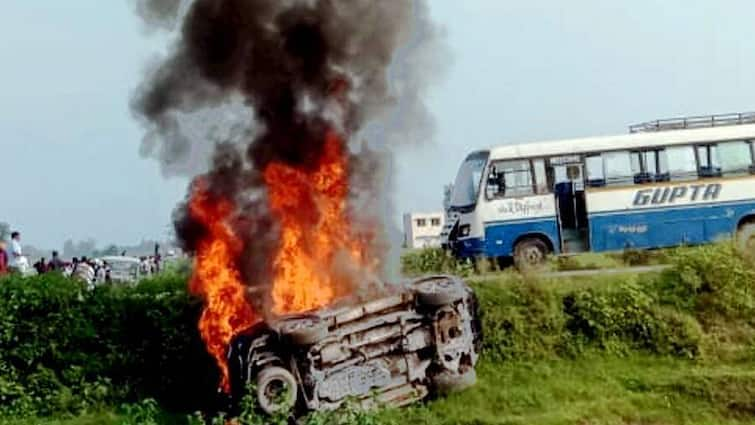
[530, 253]
[746, 238]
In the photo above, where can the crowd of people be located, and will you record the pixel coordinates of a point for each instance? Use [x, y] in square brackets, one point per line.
[90, 270]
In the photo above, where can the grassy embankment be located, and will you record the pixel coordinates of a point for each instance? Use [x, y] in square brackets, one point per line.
[676, 347]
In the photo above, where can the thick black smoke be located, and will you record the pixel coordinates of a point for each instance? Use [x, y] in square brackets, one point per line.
[254, 81]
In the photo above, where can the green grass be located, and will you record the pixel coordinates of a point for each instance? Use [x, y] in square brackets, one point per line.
[557, 284]
[125, 415]
[593, 389]
[586, 261]
[675, 347]
[611, 260]
[434, 260]
[102, 418]
[597, 389]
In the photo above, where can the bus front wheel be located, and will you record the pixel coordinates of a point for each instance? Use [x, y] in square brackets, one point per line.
[530, 253]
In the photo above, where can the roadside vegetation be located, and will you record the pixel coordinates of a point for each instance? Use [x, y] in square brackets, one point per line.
[669, 347]
[435, 260]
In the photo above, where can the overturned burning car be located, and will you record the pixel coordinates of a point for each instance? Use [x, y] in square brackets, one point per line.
[423, 339]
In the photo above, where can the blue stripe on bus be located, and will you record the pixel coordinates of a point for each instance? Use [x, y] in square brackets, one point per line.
[500, 237]
[470, 248]
[659, 228]
[619, 230]
[519, 221]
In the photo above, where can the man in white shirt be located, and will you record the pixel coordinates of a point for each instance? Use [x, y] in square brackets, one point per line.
[84, 272]
[16, 260]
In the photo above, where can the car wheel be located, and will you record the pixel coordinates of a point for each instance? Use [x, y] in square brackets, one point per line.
[746, 238]
[305, 330]
[276, 390]
[530, 254]
[447, 382]
[438, 290]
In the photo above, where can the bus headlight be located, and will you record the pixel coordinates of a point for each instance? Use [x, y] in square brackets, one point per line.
[464, 230]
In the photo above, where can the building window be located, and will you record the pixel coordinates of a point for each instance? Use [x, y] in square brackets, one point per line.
[681, 163]
[435, 222]
[509, 179]
[421, 222]
[734, 158]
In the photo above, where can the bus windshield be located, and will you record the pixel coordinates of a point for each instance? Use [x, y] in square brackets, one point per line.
[467, 184]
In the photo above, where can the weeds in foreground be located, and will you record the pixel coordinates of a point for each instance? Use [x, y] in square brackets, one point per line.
[145, 412]
[65, 351]
[434, 260]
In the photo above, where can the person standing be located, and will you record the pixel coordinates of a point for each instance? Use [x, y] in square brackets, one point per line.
[84, 272]
[56, 264]
[16, 261]
[3, 259]
[41, 266]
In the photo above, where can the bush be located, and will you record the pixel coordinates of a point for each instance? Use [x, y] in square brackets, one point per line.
[628, 317]
[521, 320]
[659, 314]
[434, 260]
[64, 349]
[526, 320]
[710, 280]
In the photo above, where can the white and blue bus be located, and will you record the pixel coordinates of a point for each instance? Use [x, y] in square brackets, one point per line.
[666, 183]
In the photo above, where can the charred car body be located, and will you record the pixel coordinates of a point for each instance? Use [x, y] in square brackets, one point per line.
[423, 339]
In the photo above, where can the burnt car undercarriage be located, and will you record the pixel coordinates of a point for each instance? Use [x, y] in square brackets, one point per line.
[422, 340]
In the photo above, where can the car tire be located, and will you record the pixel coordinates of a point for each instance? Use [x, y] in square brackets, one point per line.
[277, 390]
[746, 238]
[438, 290]
[305, 330]
[447, 382]
[530, 253]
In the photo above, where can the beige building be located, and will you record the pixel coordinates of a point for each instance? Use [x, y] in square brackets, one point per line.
[422, 230]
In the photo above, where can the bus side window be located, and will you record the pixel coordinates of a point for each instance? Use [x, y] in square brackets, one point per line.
[541, 177]
[637, 158]
[707, 161]
[510, 179]
[595, 175]
[494, 187]
[681, 163]
[617, 167]
[649, 166]
[735, 158]
[661, 161]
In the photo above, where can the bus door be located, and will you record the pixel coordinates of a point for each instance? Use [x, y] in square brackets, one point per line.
[569, 189]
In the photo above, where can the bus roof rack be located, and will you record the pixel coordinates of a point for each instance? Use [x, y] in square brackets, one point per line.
[694, 122]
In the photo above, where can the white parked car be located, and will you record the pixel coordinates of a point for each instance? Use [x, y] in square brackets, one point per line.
[123, 269]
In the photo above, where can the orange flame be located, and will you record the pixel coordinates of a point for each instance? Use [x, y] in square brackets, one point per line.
[216, 279]
[310, 206]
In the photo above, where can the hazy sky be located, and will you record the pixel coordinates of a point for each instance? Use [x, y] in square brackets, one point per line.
[519, 71]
